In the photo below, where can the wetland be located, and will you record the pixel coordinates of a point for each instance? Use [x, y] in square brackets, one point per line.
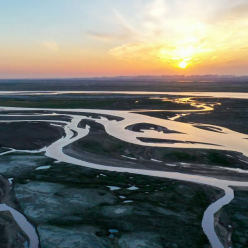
[109, 160]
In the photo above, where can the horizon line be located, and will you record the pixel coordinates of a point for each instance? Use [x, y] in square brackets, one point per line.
[226, 76]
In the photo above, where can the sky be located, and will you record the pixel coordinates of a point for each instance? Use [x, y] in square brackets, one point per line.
[83, 38]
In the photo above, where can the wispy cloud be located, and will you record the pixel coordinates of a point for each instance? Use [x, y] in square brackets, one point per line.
[107, 37]
[125, 30]
[238, 11]
[52, 45]
[124, 25]
[135, 51]
[244, 48]
[100, 36]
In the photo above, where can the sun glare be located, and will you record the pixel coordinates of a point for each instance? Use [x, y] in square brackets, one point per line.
[183, 64]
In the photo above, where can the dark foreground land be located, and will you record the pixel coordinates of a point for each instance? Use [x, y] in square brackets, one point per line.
[73, 206]
[107, 209]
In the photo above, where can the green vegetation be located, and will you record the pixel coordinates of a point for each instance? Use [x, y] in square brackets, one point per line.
[217, 158]
[100, 143]
[116, 102]
[237, 220]
[180, 156]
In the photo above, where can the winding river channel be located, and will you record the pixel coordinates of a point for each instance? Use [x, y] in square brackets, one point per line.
[184, 136]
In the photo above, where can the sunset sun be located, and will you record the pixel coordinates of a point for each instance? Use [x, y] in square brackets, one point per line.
[183, 64]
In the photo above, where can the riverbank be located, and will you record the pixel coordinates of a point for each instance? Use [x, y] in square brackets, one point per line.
[11, 235]
[229, 113]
